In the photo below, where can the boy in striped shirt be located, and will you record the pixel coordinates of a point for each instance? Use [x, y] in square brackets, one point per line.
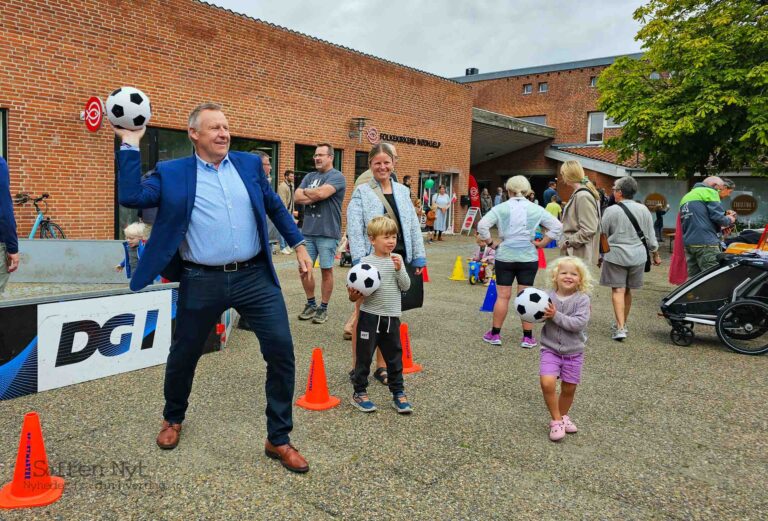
[379, 322]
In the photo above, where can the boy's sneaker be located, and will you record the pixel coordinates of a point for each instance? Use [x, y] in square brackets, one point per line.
[568, 425]
[620, 334]
[400, 403]
[362, 402]
[528, 342]
[491, 338]
[556, 430]
[321, 315]
[308, 313]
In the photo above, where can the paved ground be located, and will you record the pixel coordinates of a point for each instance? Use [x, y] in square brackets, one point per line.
[665, 432]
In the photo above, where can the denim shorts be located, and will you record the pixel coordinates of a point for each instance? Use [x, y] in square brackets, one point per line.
[324, 247]
[567, 367]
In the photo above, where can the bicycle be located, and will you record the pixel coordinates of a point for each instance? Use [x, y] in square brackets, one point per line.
[48, 228]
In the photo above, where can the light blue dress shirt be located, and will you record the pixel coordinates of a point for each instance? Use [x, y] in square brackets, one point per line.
[222, 228]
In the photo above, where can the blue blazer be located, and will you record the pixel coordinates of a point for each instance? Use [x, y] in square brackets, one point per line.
[172, 189]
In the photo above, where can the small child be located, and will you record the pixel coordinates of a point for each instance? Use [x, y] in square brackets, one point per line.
[135, 238]
[554, 207]
[379, 322]
[431, 216]
[562, 340]
[486, 254]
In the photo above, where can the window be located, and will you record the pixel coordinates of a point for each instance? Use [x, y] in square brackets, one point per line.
[655, 76]
[527, 88]
[361, 163]
[596, 124]
[541, 120]
[3, 134]
[543, 86]
[593, 81]
[241, 144]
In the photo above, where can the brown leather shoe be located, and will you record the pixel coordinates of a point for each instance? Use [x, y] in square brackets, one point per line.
[169, 435]
[288, 455]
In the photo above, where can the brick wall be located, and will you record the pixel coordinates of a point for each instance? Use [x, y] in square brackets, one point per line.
[274, 84]
[566, 104]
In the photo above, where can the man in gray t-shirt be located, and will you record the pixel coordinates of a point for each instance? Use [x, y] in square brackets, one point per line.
[322, 193]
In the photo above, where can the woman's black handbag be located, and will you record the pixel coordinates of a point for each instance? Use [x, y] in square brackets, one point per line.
[414, 297]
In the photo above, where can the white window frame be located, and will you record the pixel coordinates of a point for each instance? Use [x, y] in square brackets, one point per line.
[544, 84]
[593, 81]
[527, 88]
[530, 119]
[589, 128]
[609, 123]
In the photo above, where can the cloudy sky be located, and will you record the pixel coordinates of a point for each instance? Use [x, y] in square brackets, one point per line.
[446, 36]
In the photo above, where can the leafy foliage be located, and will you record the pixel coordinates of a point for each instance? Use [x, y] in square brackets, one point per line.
[697, 101]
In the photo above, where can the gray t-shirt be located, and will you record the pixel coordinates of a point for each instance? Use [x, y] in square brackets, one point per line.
[323, 218]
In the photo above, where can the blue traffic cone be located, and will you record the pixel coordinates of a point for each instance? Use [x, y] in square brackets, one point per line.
[490, 298]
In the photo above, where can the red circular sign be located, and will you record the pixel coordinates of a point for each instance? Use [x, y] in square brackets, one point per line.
[373, 135]
[94, 114]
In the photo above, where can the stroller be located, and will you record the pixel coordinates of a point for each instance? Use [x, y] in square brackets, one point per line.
[732, 296]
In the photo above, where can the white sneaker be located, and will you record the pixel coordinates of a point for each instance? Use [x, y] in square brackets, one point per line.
[620, 334]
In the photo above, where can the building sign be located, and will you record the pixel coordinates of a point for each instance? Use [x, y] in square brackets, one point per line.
[373, 135]
[654, 200]
[469, 220]
[744, 204]
[93, 114]
[392, 138]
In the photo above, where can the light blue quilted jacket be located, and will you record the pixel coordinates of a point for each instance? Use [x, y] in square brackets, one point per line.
[365, 205]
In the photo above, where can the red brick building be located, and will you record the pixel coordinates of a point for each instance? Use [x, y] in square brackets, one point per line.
[557, 105]
[283, 92]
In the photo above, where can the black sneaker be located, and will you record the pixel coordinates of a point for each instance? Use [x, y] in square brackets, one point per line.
[308, 313]
[321, 315]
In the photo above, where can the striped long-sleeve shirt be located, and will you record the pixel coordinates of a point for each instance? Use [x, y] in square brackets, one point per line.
[385, 301]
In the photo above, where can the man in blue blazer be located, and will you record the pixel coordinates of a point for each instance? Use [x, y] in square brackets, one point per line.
[210, 234]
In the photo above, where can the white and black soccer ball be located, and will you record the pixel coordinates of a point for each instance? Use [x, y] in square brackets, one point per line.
[129, 108]
[364, 278]
[531, 303]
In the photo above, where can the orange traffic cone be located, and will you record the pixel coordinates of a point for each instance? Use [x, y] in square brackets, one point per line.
[405, 341]
[317, 397]
[424, 274]
[32, 484]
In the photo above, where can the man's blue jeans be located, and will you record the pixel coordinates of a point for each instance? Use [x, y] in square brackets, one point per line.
[203, 296]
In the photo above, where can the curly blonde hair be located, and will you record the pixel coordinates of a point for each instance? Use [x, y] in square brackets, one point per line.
[585, 284]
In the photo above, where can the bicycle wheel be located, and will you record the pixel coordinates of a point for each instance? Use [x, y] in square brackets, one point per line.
[742, 324]
[51, 230]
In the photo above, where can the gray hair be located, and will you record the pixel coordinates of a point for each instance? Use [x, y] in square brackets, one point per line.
[728, 183]
[260, 154]
[627, 186]
[712, 181]
[194, 116]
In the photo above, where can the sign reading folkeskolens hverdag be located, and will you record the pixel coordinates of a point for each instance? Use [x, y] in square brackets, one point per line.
[744, 204]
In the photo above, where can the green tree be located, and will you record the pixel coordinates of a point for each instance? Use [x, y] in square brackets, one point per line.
[697, 101]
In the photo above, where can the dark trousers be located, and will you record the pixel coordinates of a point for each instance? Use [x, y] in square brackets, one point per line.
[203, 296]
[372, 331]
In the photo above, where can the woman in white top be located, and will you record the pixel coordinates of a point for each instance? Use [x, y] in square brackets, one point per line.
[516, 254]
[441, 203]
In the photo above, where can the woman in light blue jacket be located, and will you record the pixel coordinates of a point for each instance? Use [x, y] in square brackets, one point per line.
[366, 203]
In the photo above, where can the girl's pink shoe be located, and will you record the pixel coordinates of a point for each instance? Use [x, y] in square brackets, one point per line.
[556, 430]
[569, 426]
